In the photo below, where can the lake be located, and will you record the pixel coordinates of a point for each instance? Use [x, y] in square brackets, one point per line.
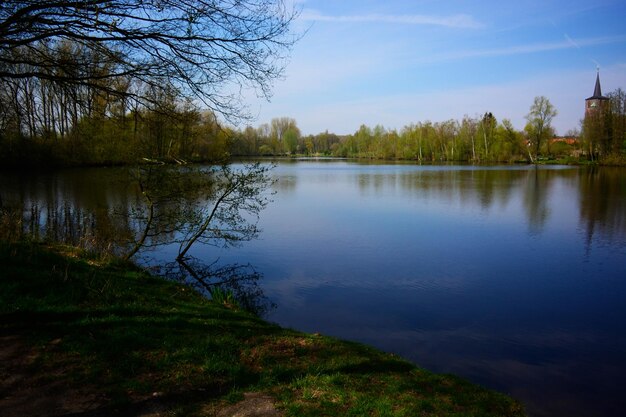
[513, 277]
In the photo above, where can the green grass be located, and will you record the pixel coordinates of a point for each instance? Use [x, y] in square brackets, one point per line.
[128, 334]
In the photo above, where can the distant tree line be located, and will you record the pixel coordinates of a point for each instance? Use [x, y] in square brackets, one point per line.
[473, 139]
[42, 124]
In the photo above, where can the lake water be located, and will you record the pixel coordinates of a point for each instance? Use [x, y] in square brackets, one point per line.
[513, 277]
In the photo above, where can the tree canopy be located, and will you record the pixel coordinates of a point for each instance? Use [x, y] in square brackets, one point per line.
[205, 49]
[539, 126]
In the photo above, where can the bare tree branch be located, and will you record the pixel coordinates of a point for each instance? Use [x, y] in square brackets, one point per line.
[201, 47]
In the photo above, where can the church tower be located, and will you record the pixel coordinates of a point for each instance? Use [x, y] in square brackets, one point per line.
[596, 126]
[597, 102]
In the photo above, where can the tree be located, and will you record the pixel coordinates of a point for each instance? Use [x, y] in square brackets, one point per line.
[467, 131]
[595, 133]
[618, 120]
[539, 127]
[290, 140]
[237, 193]
[206, 49]
[511, 141]
[285, 134]
[604, 128]
[188, 205]
[487, 127]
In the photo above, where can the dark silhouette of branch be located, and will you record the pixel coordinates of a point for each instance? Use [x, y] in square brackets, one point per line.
[200, 47]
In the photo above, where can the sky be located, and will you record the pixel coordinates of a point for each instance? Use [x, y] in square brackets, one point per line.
[398, 62]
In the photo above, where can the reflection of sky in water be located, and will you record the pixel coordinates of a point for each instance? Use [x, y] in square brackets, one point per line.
[512, 277]
[472, 271]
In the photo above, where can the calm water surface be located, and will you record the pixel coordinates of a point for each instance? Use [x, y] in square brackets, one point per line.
[512, 277]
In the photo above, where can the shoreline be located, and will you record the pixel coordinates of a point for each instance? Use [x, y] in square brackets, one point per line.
[127, 339]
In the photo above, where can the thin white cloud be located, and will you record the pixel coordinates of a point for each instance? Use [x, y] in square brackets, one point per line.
[571, 41]
[462, 21]
[528, 49]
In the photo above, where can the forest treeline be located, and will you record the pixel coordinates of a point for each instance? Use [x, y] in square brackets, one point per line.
[44, 125]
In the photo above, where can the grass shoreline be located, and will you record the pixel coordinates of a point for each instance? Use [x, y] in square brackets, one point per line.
[132, 340]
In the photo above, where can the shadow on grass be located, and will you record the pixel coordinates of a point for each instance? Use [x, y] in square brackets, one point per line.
[128, 335]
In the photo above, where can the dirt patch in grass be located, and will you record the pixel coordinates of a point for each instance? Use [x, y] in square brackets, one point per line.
[254, 404]
[27, 389]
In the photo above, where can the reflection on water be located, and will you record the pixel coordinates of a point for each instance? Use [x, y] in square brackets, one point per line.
[242, 281]
[512, 277]
[603, 204]
[114, 210]
[78, 205]
[89, 207]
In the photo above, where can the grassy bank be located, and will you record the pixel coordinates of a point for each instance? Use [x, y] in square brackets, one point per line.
[132, 343]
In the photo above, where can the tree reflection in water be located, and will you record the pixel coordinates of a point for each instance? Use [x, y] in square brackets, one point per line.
[240, 280]
[140, 210]
[103, 210]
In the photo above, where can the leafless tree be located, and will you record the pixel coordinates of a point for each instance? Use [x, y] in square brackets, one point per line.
[206, 49]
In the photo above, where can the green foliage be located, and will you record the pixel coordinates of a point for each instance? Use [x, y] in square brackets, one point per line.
[615, 159]
[539, 129]
[604, 130]
[175, 130]
[183, 133]
[224, 297]
[472, 140]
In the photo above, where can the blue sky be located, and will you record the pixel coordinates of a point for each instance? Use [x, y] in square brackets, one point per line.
[397, 62]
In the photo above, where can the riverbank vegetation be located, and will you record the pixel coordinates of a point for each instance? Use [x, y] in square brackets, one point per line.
[94, 336]
[186, 133]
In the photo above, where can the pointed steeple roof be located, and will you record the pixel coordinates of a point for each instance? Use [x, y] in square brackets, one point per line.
[597, 91]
